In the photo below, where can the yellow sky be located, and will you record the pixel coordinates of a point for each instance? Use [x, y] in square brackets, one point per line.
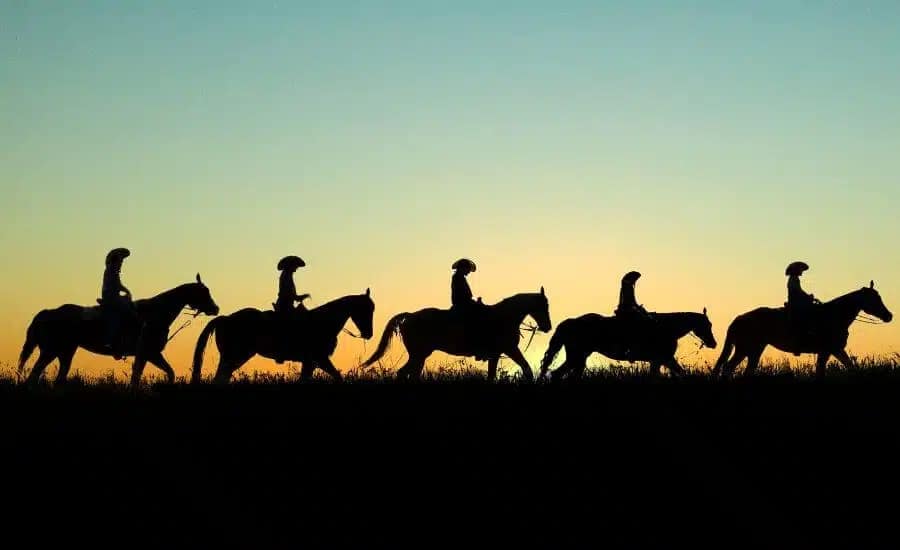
[556, 146]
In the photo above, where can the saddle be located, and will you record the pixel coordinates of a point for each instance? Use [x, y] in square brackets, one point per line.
[296, 313]
[473, 319]
[94, 313]
[802, 323]
[635, 330]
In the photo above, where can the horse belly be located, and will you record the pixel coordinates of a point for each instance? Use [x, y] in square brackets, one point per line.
[450, 340]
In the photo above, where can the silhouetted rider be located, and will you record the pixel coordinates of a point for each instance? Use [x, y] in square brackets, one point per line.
[464, 304]
[116, 301]
[460, 292]
[284, 307]
[800, 303]
[797, 297]
[628, 306]
[631, 313]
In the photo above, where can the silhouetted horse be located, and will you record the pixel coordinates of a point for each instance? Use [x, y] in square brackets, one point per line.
[249, 332]
[432, 329]
[60, 332]
[612, 337]
[751, 332]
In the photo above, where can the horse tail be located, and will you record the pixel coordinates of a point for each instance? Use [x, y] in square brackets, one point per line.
[392, 327]
[557, 341]
[31, 337]
[201, 348]
[727, 349]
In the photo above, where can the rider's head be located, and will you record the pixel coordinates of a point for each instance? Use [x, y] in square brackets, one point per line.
[463, 266]
[631, 278]
[116, 256]
[795, 269]
[290, 264]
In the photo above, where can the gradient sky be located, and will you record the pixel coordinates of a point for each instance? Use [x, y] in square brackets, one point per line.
[705, 144]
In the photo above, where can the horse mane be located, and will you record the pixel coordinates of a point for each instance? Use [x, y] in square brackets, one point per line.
[328, 306]
[845, 297]
[515, 298]
[674, 314]
[164, 294]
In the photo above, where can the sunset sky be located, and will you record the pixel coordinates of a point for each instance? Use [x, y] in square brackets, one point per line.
[704, 143]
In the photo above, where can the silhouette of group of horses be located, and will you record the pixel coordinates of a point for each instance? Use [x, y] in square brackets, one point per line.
[58, 333]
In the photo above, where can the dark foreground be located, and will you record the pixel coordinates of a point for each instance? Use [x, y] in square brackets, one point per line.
[772, 462]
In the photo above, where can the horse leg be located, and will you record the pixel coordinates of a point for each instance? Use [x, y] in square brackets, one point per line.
[572, 367]
[516, 355]
[65, 363]
[43, 360]
[307, 370]
[579, 364]
[562, 370]
[403, 372]
[821, 363]
[654, 368]
[674, 367]
[492, 368]
[137, 369]
[223, 372]
[160, 362]
[732, 364]
[327, 366]
[846, 360]
[412, 369]
[752, 362]
[227, 366]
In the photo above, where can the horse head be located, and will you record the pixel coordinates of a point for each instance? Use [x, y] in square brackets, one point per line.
[873, 305]
[539, 310]
[362, 310]
[703, 330]
[199, 298]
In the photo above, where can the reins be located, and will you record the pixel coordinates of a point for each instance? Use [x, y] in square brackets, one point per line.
[184, 325]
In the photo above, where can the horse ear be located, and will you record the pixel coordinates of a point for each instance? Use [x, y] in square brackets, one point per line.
[704, 311]
[368, 291]
[872, 284]
[198, 278]
[542, 291]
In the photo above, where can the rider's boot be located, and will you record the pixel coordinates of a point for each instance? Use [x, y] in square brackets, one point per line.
[281, 345]
[118, 348]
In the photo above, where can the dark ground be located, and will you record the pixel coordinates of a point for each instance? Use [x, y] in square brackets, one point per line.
[770, 462]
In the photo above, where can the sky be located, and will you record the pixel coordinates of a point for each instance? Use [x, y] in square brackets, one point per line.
[705, 144]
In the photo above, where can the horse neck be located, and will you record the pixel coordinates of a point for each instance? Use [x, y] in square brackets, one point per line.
[679, 324]
[167, 305]
[514, 308]
[335, 313]
[845, 308]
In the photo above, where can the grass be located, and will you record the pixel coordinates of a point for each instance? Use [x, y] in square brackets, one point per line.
[777, 459]
[465, 371]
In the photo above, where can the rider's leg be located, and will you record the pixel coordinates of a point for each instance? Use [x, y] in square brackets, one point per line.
[113, 339]
[281, 337]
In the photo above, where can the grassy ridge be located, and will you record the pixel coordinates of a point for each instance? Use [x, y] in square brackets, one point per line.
[777, 460]
[465, 370]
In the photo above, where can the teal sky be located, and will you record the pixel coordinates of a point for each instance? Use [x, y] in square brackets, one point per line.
[706, 144]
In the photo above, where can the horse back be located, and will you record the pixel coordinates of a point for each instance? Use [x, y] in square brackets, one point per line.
[592, 318]
[760, 314]
[69, 312]
[250, 314]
